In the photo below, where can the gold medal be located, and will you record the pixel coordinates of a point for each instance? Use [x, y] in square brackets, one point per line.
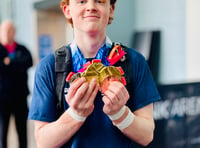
[102, 73]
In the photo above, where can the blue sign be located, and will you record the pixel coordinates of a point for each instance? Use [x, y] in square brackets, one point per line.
[45, 45]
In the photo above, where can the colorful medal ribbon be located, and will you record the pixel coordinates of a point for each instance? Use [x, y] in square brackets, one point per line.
[103, 74]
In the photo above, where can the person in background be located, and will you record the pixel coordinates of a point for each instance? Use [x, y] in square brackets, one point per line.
[15, 59]
[120, 118]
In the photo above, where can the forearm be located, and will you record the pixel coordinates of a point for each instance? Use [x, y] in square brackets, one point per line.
[57, 133]
[141, 130]
[138, 126]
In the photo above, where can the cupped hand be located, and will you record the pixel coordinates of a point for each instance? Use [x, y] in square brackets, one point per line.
[81, 96]
[115, 97]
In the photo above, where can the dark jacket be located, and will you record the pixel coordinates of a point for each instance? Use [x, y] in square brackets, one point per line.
[13, 77]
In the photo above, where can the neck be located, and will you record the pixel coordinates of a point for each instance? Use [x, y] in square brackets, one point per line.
[89, 44]
[10, 46]
[9, 43]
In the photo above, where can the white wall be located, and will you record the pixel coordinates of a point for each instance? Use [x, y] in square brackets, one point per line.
[122, 26]
[167, 16]
[24, 17]
[193, 40]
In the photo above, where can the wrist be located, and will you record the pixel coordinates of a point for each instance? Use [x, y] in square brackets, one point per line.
[125, 120]
[115, 122]
[75, 115]
[118, 115]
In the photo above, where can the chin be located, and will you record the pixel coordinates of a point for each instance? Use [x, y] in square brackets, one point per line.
[93, 31]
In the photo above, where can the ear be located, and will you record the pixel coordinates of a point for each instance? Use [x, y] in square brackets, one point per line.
[66, 12]
[112, 9]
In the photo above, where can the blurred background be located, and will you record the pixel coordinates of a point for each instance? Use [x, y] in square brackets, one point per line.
[165, 32]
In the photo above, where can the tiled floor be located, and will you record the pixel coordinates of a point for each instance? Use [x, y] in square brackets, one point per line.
[12, 136]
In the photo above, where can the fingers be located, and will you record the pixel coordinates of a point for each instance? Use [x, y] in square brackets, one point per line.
[115, 97]
[92, 91]
[112, 97]
[120, 89]
[89, 93]
[75, 86]
[81, 96]
[117, 92]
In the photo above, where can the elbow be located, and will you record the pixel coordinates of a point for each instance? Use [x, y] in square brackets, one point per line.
[39, 143]
[38, 140]
[147, 140]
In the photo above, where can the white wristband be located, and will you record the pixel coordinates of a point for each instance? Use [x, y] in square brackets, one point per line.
[75, 116]
[118, 114]
[127, 121]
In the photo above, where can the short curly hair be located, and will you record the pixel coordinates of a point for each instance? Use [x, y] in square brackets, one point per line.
[66, 2]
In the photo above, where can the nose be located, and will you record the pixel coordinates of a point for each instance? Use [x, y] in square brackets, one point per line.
[91, 6]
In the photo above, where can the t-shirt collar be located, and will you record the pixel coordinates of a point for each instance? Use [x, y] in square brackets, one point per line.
[79, 60]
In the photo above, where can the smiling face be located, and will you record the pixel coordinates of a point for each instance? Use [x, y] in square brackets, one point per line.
[89, 15]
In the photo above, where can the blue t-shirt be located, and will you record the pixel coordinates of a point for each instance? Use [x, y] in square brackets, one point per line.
[98, 130]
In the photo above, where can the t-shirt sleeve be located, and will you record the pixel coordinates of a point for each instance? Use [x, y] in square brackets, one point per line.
[143, 90]
[43, 104]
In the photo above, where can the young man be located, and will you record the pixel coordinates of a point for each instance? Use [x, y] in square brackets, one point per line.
[15, 59]
[117, 119]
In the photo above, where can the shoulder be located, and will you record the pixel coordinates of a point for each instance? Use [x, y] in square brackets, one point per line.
[45, 68]
[22, 48]
[45, 71]
[1, 46]
[47, 62]
[2, 49]
[133, 55]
